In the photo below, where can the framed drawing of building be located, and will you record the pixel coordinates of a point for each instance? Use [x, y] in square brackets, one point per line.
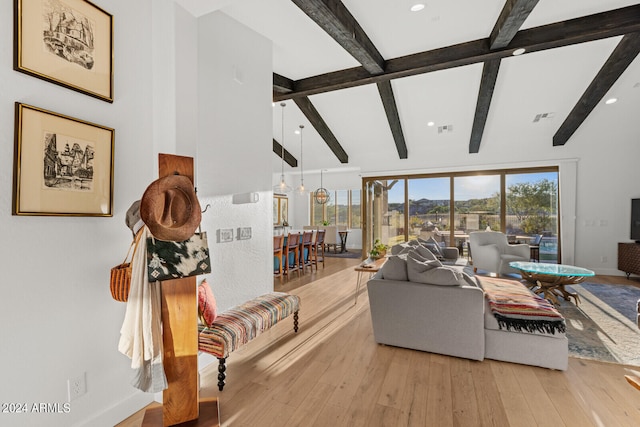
[66, 42]
[62, 165]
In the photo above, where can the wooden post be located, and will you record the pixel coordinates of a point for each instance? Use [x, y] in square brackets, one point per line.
[180, 401]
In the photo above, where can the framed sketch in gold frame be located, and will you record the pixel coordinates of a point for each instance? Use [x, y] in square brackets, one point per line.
[66, 42]
[62, 165]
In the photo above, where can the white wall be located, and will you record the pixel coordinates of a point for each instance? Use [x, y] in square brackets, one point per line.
[234, 139]
[57, 317]
[58, 320]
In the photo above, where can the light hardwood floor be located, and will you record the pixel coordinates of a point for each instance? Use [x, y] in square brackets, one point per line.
[332, 373]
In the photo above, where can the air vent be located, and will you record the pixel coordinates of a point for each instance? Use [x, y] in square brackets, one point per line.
[542, 116]
[445, 129]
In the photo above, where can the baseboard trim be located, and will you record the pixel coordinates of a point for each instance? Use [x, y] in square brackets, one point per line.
[119, 412]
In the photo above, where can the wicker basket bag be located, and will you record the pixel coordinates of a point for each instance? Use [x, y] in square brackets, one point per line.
[120, 282]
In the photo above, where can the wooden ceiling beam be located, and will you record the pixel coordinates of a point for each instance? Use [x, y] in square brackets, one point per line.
[282, 84]
[579, 30]
[391, 109]
[513, 15]
[288, 157]
[310, 112]
[621, 57]
[334, 18]
[487, 84]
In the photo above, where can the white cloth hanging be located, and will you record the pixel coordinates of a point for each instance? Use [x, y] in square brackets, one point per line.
[141, 332]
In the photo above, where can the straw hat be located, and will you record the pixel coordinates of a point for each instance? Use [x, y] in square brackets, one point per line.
[170, 208]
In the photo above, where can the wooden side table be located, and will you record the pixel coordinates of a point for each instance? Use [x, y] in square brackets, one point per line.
[371, 268]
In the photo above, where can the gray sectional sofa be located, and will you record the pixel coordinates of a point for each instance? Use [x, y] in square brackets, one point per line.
[427, 311]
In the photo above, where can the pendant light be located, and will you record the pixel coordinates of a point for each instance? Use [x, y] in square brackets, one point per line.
[321, 195]
[282, 187]
[301, 189]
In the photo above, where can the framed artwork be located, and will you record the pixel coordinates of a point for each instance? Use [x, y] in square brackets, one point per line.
[62, 165]
[280, 209]
[66, 42]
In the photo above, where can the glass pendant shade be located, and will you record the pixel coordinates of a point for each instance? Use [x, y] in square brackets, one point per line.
[282, 187]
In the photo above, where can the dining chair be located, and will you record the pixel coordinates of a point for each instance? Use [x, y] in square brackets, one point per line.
[278, 242]
[317, 248]
[292, 254]
[305, 250]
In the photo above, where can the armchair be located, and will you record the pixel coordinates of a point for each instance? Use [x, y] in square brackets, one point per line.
[492, 252]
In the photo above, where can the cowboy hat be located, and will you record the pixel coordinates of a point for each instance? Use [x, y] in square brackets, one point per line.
[170, 208]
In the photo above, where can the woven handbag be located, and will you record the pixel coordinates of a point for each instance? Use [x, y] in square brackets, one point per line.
[120, 282]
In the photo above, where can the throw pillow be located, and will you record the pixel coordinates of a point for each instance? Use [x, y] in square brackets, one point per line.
[206, 303]
[395, 268]
[403, 248]
[432, 272]
[425, 253]
[433, 246]
[418, 266]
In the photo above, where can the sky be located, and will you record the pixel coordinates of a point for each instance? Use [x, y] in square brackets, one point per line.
[465, 187]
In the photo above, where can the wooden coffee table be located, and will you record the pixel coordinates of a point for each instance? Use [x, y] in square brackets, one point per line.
[550, 279]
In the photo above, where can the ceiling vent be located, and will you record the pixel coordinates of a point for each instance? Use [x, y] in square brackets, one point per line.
[445, 129]
[542, 116]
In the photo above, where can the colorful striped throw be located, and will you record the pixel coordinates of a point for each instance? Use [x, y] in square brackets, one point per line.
[239, 325]
[517, 308]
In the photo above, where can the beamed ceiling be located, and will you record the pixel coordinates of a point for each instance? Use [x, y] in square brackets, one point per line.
[366, 77]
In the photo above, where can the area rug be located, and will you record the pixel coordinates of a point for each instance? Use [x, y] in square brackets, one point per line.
[351, 253]
[603, 326]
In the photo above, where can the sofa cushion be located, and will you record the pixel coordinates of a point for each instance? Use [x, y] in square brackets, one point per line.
[431, 272]
[424, 252]
[432, 245]
[395, 268]
[403, 248]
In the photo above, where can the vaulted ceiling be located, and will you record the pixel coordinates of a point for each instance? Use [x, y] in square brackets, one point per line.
[373, 79]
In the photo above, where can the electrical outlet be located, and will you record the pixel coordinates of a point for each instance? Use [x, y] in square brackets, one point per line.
[76, 387]
[603, 259]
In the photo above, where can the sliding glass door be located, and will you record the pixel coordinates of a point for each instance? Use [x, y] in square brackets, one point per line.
[532, 211]
[385, 211]
[522, 203]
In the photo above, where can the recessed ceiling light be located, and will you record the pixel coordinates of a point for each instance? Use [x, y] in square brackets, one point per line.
[611, 101]
[416, 7]
[297, 132]
[519, 51]
[430, 124]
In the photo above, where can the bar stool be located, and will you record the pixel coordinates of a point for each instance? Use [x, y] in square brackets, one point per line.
[292, 254]
[305, 250]
[316, 248]
[278, 243]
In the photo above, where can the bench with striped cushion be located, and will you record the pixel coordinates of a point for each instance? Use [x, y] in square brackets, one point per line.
[237, 326]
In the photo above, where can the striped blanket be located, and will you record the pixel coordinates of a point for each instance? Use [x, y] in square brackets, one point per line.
[517, 308]
[239, 325]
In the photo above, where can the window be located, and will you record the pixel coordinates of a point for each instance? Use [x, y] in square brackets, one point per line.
[343, 208]
[532, 210]
[522, 203]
